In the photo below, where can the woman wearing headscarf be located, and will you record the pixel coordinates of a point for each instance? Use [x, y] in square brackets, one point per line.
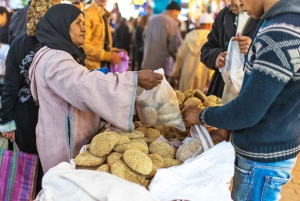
[19, 112]
[71, 98]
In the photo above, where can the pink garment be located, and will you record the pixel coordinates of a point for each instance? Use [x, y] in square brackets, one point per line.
[122, 66]
[71, 100]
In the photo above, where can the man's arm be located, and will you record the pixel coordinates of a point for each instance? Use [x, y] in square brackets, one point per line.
[211, 49]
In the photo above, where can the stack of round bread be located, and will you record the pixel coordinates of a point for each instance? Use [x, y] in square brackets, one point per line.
[133, 156]
[190, 97]
[167, 114]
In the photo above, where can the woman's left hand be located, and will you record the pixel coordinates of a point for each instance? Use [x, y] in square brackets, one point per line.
[9, 135]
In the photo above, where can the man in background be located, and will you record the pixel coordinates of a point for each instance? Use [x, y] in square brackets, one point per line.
[188, 70]
[230, 21]
[98, 42]
[162, 40]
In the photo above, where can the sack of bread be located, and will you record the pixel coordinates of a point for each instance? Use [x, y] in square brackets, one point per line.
[159, 106]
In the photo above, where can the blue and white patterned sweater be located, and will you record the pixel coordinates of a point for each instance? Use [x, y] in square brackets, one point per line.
[265, 118]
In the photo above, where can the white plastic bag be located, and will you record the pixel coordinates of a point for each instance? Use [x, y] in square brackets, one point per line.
[193, 146]
[203, 178]
[159, 106]
[232, 72]
[64, 182]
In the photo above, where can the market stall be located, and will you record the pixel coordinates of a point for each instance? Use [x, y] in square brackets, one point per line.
[162, 159]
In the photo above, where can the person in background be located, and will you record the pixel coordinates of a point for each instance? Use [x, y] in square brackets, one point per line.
[79, 4]
[4, 24]
[188, 70]
[18, 22]
[19, 112]
[149, 11]
[132, 25]
[265, 116]
[60, 80]
[162, 40]
[98, 42]
[229, 21]
[139, 41]
[122, 36]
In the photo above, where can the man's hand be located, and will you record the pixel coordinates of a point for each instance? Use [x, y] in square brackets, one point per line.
[221, 59]
[9, 135]
[147, 79]
[191, 115]
[220, 135]
[244, 43]
[115, 58]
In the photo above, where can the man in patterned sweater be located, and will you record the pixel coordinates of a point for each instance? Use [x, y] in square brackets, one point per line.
[265, 116]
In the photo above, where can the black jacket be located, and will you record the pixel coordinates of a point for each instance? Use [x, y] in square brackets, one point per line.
[122, 38]
[18, 23]
[218, 40]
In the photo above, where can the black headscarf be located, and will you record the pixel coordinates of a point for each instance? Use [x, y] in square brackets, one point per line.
[53, 30]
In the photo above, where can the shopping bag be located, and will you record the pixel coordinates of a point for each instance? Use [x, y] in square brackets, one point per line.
[232, 72]
[18, 174]
[205, 177]
[122, 66]
[195, 145]
[159, 106]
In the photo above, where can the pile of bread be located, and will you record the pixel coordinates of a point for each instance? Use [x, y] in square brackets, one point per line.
[128, 155]
[136, 156]
[196, 98]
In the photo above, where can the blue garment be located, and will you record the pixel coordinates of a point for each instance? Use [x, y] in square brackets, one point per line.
[260, 181]
[265, 116]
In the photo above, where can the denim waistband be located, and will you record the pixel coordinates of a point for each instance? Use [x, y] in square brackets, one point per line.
[282, 164]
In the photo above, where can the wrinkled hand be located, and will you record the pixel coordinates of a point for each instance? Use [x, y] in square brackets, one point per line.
[147, 79]
[220, 135]
[115, 58]
[9, 135]
[221, 59]
[244, 43]
[191, 115]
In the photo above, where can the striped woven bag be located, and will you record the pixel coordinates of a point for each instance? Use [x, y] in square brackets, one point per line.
[18, 174]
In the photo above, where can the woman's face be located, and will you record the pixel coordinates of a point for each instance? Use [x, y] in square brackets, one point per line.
[77, 30]
[3, 19]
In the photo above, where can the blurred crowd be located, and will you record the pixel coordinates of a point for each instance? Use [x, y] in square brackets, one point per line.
[123, 34]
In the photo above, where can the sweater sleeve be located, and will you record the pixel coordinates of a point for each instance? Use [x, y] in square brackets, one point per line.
[266, 74]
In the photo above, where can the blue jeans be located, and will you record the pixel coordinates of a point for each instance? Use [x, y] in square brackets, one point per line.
[257, 181]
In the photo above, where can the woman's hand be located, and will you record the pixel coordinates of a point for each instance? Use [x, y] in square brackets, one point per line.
[9, 135]
[191, 115]
[147, 79]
